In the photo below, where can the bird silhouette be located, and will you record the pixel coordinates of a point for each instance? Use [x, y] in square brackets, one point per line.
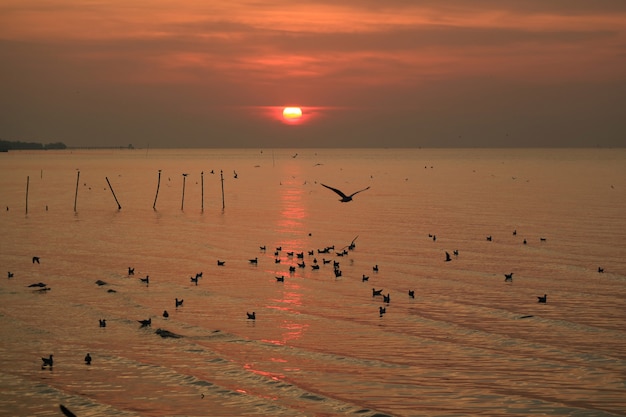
[345, 198]
[47, 362]
[145, 323]
[251, 316]
[88, 359]
[543, 299]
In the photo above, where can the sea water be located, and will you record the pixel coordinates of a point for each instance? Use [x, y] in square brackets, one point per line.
[467, 343]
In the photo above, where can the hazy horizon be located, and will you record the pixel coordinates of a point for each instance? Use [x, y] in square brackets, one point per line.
[197, 74]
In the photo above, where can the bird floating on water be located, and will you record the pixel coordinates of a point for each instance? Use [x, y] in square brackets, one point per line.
[47, 362]
[251, 316]
[376, 292]
[508, 277]
[88, 359]
[543, 299]
[344, 198]
[145, 323]
[103, 322]
[179, 302]
[412, 293]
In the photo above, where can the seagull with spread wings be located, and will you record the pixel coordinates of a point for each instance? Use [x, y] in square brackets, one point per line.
[344, 198]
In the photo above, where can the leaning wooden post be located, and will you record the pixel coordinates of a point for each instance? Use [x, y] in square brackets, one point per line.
[182, 204]
[76, 194]
[113, 192]
[27, 181]
[157, 191]
[202, 193]
[222, 177]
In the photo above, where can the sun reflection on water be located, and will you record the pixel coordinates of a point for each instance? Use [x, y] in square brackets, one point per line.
[290, 226]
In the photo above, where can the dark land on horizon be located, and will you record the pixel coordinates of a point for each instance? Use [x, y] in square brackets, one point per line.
[6, 145]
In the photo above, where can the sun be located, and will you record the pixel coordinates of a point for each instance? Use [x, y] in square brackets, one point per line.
[292, 113]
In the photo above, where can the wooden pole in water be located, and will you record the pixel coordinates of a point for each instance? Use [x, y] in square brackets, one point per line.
[76, 194]
[202, 194]
[222, 177]
[157, 191]
[113, 192]
[182, 204]
[27, 181]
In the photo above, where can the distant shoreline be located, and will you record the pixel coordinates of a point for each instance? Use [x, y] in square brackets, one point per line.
[6, 146]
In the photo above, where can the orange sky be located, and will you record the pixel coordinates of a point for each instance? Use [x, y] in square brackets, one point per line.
[367, 73]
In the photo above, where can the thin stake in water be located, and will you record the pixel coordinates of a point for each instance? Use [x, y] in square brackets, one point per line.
[119, 207]
[27, 181]
[157, 191]
[76, 194]
[222, 177]
[182, 204]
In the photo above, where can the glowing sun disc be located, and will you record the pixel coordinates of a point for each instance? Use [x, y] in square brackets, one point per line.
[292, 112]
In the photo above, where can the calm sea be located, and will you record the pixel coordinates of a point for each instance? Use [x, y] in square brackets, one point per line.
[468, 343]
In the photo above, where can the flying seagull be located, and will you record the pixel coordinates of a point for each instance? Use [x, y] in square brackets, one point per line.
[344, 198]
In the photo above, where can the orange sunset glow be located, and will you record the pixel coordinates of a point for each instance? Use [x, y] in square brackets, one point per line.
[292, 112]
[498, 73]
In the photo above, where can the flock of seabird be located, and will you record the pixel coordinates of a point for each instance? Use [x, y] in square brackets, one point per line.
[47, 362]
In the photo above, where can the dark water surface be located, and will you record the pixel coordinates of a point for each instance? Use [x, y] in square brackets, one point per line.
[469, 343]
